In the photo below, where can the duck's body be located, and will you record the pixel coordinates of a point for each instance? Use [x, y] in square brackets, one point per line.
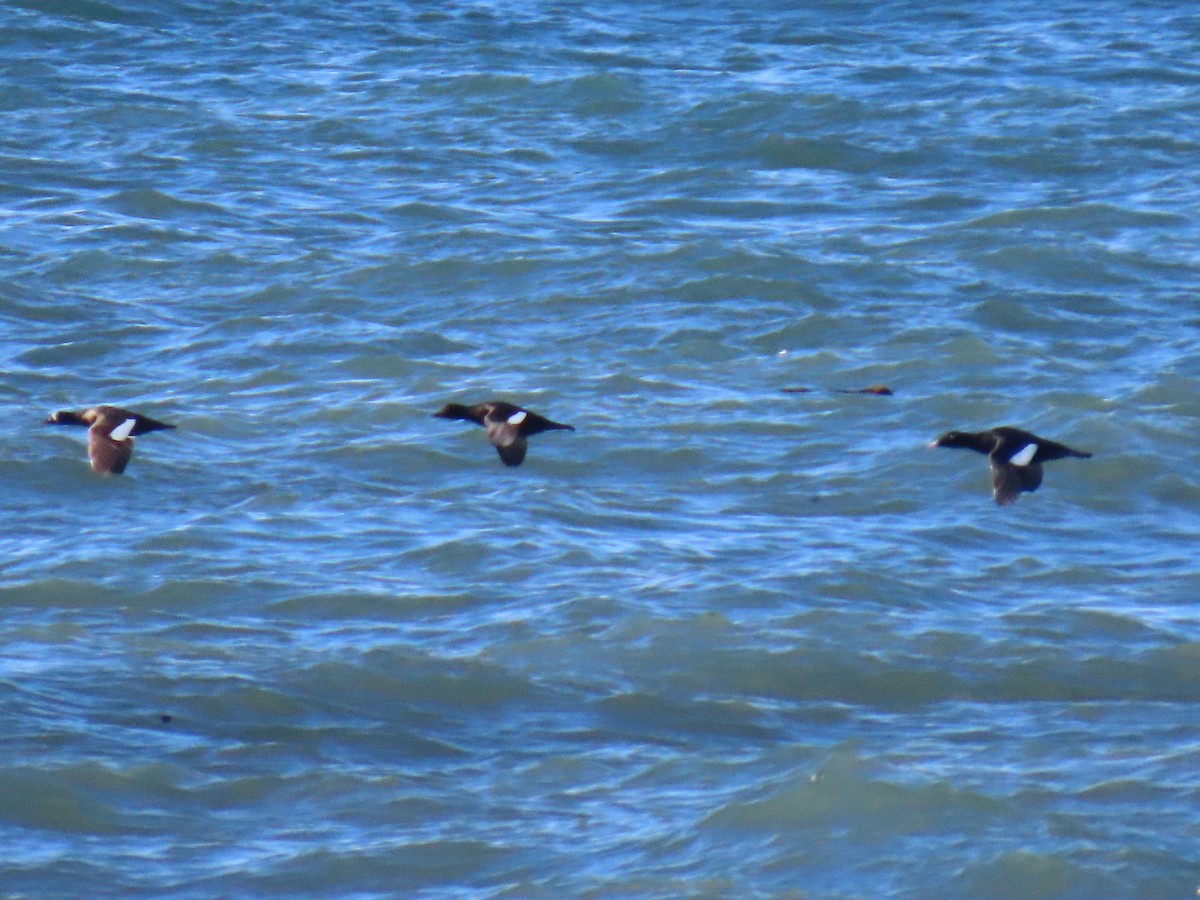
[508, 426]
[110, 434]
[1016, 457]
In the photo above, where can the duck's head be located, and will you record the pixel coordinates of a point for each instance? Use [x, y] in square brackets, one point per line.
[954, 439]
[453, 411]
[64, 417]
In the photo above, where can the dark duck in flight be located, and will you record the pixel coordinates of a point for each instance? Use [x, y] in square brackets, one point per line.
[110, 434]
[1016, 457]
[508, 426]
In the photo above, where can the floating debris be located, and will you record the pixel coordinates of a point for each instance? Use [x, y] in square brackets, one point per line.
[880, 390]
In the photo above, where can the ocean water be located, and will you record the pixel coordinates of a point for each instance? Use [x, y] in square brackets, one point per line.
[723, 640]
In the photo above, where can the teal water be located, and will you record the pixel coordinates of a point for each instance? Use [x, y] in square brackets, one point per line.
[722, 640]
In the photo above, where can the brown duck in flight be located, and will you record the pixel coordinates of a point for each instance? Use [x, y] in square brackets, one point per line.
[508, 426]
[1016, 457]
[111, 431]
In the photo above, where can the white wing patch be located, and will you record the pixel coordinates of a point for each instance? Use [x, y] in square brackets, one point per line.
[1025, 455]
[518, 417]
[122, 431]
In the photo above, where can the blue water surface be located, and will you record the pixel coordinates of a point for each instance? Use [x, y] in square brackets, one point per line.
[722, 640]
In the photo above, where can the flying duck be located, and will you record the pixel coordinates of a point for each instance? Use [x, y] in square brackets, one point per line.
[110, 434]
[1016, 457]
[508, 426]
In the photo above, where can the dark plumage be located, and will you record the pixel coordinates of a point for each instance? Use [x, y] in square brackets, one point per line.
[110, 434]
[1016, 457]
[508, 426]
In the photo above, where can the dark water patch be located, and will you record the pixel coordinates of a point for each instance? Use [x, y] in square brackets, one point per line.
[816, 153]
[85, 266]
[1134, 792]
[344, 607]
[1053, 626]
[1093, 217]
[1001, 671]
[847, 797]
[692, 208]
[425, 212]
[385, 679]
[1141, 75]
[1176, 491]
[89, 10]
[484, 86]
[209, 644]
[1034, 875]
[943, 203]
[156, 237]
[656, 718]
[1005, 314]
[606, 94]
[1075, 268]
[818, 674]
[148, 203]
[59, 592]
[79, 799]
[394, 865]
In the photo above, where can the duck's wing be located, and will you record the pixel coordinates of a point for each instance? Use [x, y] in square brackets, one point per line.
[106, 455]
[1031, 476]
[513, 453]
[1008, 481]
[145, 424]
[1052, 450]
[506, 437]
[531, 423]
